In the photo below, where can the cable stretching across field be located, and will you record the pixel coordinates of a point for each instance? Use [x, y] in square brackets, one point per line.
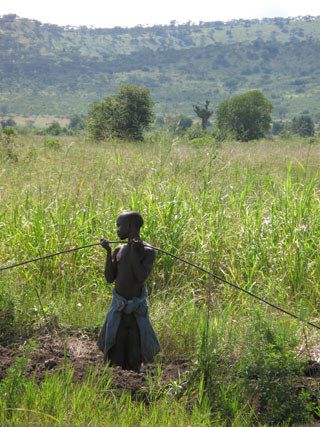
[51, 255]
[173, 256]
[231, 284]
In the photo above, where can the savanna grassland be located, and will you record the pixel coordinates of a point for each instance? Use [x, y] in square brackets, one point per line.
[248, 212]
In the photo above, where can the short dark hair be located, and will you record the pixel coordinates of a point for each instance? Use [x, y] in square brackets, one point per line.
[134, 217]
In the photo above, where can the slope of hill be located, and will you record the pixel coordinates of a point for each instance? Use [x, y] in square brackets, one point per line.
[46, 69]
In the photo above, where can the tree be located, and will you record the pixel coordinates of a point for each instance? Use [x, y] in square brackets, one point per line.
[203, 113]
[125, 115]
[178, 125]
[3, 110]
[8, 123]
[277, 127]
[183, 123]
[245, 117]
[303, 125]
[77, 122]
[54, 129]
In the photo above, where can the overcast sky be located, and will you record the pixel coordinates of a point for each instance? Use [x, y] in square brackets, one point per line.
[128, 13]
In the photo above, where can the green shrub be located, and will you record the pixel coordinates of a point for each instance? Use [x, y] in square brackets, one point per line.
[124, 116]
[303, 125]
[7, 143]
[52, 144]
[272, 374]
[13, 386]
[312, 139]
[195, 131]
[202, 140]
[7, 317]
[246, 116]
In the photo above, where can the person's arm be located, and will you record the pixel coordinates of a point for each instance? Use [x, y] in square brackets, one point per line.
[110, 270]
[142, 260]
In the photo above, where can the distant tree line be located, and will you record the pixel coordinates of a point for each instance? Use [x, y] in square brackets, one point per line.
[244, 117]
[302, 125]
[128, 114]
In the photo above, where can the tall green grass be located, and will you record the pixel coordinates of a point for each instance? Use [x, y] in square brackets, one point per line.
[247, 212]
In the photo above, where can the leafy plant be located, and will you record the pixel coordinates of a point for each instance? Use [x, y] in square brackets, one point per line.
[12, 388]
[303, 125]
[246, 117]
[7, 137]
[125, 115]
[7, 316]
[52, 144]
[202, 140]
[272, 372]
[204, 113]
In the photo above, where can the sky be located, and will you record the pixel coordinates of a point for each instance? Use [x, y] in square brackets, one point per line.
[129, 13]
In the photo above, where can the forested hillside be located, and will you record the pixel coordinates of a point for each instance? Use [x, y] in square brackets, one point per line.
[47, 69]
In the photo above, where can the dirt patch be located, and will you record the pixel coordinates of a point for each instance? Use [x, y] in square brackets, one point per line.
[39, 121]
[82, 354]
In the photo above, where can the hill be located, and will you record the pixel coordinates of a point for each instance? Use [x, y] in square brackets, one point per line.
[47, 69]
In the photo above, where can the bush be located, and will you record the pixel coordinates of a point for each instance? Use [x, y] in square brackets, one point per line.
[7, 317]
[52, 144]
[245, 117]
[312, 140]
[77, 122]
[277, 127]
[7, 143]
[303, 125]
[125, 115]
[203, 140]
[181, 124]
[55, 129]
[8, 123]
[196, 131]
[272, 374]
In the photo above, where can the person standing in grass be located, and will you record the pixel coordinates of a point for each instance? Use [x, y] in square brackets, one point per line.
[127, 338]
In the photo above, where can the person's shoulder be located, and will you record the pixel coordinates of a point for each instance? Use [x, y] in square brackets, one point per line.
[118, 249]
[147, 245]
[149, 250]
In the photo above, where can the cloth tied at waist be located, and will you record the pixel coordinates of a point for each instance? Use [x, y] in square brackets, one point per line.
[149, 344]
[137, 306]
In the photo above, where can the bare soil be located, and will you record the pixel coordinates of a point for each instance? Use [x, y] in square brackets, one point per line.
[40, 121]
[83, 355]
[52, 351]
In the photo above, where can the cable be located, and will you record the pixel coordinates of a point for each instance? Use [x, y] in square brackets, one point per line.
[231, 284]
[178, 258]
[52, 255]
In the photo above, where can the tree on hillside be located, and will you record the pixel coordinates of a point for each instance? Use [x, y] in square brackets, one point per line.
[8, 123]
[303, 125]
[203, 113]
[54, 129]
[125, 115]
[178, 125]
[77, 122]
[3, 110]
[244, 117]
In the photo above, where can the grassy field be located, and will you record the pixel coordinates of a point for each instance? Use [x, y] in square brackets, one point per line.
[247, 212]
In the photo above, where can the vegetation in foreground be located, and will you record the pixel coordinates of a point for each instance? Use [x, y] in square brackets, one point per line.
[247, 212]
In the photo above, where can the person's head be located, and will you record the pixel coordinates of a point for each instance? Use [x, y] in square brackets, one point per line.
[129, 224]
